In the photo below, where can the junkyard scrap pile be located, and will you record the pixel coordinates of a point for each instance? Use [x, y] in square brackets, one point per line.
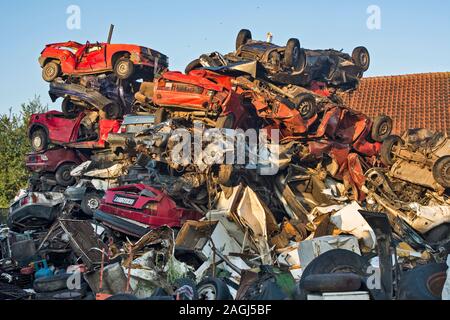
[246, 178]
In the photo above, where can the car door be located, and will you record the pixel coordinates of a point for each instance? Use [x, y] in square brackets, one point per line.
[91, 58]
[60, 128]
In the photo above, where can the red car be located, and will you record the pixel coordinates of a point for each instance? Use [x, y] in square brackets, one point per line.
[58, 161]
[56, 128]
[135, 209]
[75, 59]
[201, 94]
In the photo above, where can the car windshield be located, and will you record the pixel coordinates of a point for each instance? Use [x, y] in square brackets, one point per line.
[71, 49]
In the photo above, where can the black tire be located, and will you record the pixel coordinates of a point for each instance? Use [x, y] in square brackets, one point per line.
[69, 108]
[337, 282]
[90, 203]
[361, 58]
[293, 55]
[51, 71]
[225, 122]
[113, 111]
[441, 171]
[186, 282]
[124, 68]
[194, 65]
[213, 289]
[438, 234]
[381, 128]
[387, 157]
[39, 140]
[122, 296]
[63, 177]
[243, 37]
[423, 283]
[306, 105]
[161, 115]
[51, 284]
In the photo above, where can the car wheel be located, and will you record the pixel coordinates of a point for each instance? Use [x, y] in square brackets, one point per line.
[423, 283]
[69, 108]
[336, 282]
[122, 296]
[306, 105]
[51, 283]
[361, 58]
[194, 65]
[225, 122]
[113, 111]
[441, 171]
[124, 68]
[438, 234]
[90, 203]
[63, 177]
[386, 153]
[293, 54]
[381, 128]
[213, 289]
[243, 37]
[51, 71]
[39, 140]
[161, 115]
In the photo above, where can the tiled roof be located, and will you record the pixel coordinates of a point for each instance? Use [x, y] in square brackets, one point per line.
[413, 101]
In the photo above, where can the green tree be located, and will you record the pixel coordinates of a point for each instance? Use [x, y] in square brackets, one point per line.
[14, 145]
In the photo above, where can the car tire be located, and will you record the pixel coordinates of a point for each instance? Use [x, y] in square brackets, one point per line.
[39, 140]
[63, 177]
[225, 122]
[161, 115]
[186, 282]
[381, 128]
[51, 283]
[194, 65]
[293, 55]
[441, 171]
[213, 289]
[124, 68]
[306, 105]
[438, 234]
[361, 58]
[389, 143]
[69, 108]
[337, 282]
[90, 203]
[113, 111]
[122, 296]
[423, 283]
[243, 37]
[51, 71]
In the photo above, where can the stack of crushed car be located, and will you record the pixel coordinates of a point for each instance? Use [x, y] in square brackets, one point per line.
[351, 211]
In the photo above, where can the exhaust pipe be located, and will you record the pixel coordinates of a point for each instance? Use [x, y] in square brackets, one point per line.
[111, 30]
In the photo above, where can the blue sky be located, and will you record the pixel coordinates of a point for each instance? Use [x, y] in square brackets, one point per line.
[414, 35]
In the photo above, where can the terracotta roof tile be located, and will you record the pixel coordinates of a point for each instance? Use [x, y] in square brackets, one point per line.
[413, 101]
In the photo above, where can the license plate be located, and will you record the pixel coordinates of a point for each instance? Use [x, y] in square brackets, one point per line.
[124, 200]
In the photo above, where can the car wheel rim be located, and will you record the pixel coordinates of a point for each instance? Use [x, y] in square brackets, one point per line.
[384, 129]
[445, 172]
[208, 292]
[295, 56]
[66, 176]
[435, 283]
[93, 204]
[122, 68]
[50, 72]
[305, 109]
[37, 141]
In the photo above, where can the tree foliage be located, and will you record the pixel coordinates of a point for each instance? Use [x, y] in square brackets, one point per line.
[14, 145]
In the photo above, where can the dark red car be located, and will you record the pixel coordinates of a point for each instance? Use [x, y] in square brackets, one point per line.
[57, 161]
[75, 59]
[54, 127]
[201, 95]
[135, 209]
